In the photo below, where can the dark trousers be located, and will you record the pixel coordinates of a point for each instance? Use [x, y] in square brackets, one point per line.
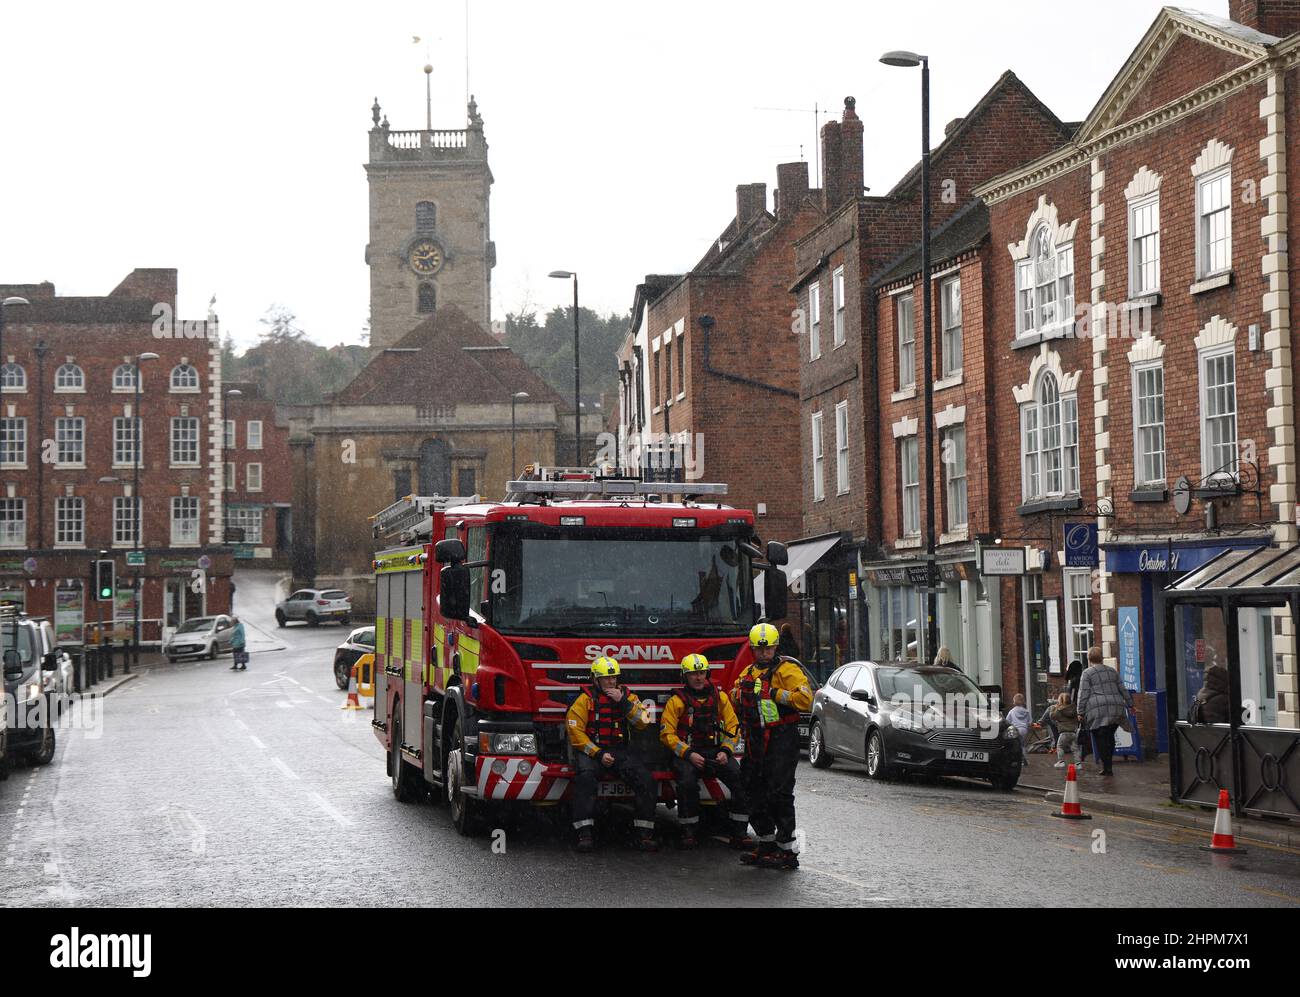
[1104, 741]
[769, 783]
[582, 803]
[688, 787]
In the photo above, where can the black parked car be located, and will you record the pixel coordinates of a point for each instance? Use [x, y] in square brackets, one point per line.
[904, 717]
[360, 641]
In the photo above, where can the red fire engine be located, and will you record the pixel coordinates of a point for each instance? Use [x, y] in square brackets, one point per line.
[490, 613]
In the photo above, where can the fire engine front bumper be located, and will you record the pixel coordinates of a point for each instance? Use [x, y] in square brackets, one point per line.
[528, 780]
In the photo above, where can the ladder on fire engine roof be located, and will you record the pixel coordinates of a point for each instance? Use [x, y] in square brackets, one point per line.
[540, 483]
[411, 517]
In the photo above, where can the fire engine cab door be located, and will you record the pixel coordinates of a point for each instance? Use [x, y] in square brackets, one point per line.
[413, 658]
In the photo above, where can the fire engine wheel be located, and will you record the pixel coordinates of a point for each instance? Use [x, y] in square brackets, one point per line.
[406, 788]
[466, 811]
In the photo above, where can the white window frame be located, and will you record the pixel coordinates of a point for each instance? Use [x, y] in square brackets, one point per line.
[1137, 288]
[842, 448]
[952, 481]
[818, 459]
[69, 378]
[1077, 586]
[909, 480]
[239, 517]
[1203, 241]
[181, 534]
[124, 441]
[253, 482]
[231, 434]
[254, 435]
[18, 425]
[180, 380]
[1141, 478]
[16, 373]
[125, 384]
[176, 425]
[951, 359]
[228, 476]
[905, 317]
[122, 532]
[837, 301]
[1210, 464]
[69, 521]
[1035, 463]
[1031, 287]
[814, 320]
[13, 523]
[70, 431]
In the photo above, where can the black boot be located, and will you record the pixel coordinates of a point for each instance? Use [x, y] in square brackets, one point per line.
[756, 856]
[688, 839]
[740, 839]
[585, 841]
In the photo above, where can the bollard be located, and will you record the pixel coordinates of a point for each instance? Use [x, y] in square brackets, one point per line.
[108, 656]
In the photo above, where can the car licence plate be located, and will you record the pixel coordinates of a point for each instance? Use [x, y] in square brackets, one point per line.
[613, 789]
[958, 755]
[803, 731]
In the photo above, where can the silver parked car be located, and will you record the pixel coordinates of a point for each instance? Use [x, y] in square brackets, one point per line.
[313, 605]
[201, 637]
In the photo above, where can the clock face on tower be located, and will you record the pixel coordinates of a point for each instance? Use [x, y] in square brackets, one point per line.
[425, 257]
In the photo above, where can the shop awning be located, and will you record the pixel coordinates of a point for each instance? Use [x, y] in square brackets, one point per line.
[805, 553]
[1261, 571]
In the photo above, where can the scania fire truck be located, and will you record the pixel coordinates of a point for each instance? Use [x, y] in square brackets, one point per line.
[489, 614]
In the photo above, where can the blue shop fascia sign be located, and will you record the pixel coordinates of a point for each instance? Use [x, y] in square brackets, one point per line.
[1164, 558]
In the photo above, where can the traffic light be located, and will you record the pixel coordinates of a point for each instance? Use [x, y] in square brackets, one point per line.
[104, 581]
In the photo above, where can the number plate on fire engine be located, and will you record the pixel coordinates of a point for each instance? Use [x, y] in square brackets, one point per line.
[957, 755]
[613, 789]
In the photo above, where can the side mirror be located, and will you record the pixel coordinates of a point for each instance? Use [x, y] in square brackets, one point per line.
[862, 696]
[777, 554]
[13, 664]
[453, 590]
[775, 594]
[448, 551]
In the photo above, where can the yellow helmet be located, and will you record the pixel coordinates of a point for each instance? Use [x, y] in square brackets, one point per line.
[695, 663]
[764, 635]
[604, 666]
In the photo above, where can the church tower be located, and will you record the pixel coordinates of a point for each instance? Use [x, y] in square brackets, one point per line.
[430, 239]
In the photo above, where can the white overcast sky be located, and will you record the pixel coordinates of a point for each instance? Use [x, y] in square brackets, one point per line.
[227, 140]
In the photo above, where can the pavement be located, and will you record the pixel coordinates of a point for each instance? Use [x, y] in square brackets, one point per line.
[1141, 789]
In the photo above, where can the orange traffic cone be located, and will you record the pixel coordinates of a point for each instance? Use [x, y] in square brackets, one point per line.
[353, 702]
[1070, 809]
[1221, 840]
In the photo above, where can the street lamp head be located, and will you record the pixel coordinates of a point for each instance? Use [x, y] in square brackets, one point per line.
[109, 479]
[146, 356]
[234, 393]
[902, 58]
[15, 301]
[521, 395]
[562, 274]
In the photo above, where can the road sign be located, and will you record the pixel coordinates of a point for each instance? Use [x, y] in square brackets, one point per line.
[135, 559]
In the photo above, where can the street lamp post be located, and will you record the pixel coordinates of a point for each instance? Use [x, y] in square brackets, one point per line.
[136, 508]
[911, 59]
[577, 408]
[514, 463]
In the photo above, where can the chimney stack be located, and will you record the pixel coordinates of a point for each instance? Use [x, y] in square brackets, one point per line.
[1273, 17]
[831, 165]
[791, 187]
[842, 157]
[751, 201]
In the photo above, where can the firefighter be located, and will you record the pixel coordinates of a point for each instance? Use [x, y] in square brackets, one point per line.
[772, 692]
[600, 721]
[699, 727]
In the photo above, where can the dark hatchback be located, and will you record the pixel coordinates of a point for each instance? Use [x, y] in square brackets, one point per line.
[901, 717]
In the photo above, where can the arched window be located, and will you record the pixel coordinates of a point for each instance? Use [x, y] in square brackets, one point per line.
[69, 377]
[185, 378]
[426, 217]
[13, 377]
[428, 299]
[1049, 435]
[1045, 285]
[124, 377]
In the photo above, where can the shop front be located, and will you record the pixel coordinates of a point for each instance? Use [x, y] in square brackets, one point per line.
[824, 604]
[1140, 568]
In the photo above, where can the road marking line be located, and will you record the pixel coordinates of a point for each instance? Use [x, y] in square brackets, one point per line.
[284, 704]
[293, 680]
[259, 744]
[272, 681]
[288, 772]
[844, 879]
[51, 869]
[1271, 893]
[321, 802]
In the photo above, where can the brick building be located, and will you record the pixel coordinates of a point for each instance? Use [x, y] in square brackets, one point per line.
[709, 370]
[1167, 212]
[258, 484]
[847, 418]
[68, 462]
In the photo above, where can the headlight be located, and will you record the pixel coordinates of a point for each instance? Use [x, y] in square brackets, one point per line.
[513, 744]
[903, 720]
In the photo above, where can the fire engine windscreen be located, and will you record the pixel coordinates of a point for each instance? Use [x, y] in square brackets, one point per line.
[632, 581]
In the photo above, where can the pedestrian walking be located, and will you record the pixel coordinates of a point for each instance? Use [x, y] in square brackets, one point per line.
[1019, 718]
[1103, 707]
[239, 647]
[1066, 718]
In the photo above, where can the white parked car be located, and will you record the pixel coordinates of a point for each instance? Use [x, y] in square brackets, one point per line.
[200, 637]
[314, 605]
